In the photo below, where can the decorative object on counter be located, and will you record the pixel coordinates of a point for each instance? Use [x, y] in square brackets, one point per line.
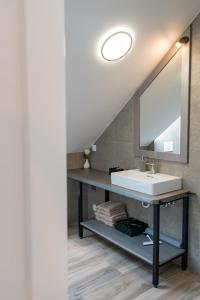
[110, 212]
[131, 226]
[86, 155]
[115, 169]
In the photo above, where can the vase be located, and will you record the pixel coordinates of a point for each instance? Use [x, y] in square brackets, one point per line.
[86, 164]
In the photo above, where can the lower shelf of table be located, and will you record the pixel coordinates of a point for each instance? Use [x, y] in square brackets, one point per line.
[133, 245]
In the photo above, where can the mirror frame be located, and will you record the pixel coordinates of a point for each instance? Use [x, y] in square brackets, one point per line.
[183, 157]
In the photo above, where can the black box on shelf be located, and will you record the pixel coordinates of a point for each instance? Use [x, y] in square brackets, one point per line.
[131, 226]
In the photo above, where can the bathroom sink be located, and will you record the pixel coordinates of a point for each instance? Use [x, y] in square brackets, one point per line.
[144, 182]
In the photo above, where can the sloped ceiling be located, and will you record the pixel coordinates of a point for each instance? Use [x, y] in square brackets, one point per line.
[97, 90]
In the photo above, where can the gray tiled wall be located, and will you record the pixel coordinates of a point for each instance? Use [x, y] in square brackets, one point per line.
[116, 148]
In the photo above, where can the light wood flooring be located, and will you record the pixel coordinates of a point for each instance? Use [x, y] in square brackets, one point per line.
[97, 270]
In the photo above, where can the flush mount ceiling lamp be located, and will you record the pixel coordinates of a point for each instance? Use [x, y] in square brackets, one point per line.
[184, 40]
[116, 45]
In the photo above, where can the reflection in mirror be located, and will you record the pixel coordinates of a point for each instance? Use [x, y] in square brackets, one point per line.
[160, 109]
[161, 106]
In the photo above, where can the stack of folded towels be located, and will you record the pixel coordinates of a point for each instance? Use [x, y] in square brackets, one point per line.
[110, 212]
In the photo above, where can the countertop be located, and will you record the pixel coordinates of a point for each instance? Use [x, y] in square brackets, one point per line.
[102, 180]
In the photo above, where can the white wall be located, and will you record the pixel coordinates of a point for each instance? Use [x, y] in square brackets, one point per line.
[32, 140]
[97, 90]
[46, 148]
[12, 251]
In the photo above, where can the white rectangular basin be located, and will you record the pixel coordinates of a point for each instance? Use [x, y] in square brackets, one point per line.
[144, 182]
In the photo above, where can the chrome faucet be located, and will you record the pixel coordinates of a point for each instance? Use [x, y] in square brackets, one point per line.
[142, 164]
[153, 166]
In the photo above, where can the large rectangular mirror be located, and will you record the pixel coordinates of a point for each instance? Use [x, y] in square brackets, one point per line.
[162, 107]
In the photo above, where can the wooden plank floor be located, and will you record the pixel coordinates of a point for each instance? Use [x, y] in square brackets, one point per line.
[97, 270]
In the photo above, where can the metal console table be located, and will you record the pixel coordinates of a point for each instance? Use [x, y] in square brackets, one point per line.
[156, 255]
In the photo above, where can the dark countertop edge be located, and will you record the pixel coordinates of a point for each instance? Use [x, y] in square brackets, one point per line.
[174, 195]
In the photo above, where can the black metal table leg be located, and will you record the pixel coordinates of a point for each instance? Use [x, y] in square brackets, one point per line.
[107, 196]
[184, 259]
[156, 236]
[80, 211]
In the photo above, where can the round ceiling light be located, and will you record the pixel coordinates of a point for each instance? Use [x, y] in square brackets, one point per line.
[116, 46]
